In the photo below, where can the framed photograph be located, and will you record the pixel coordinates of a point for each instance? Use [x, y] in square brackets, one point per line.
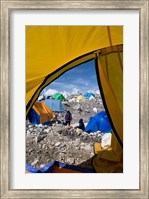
[43, 41]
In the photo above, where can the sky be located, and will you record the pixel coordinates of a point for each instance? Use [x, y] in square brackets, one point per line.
[79, 79]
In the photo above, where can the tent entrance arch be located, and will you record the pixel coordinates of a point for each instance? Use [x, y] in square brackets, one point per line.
[51, 77]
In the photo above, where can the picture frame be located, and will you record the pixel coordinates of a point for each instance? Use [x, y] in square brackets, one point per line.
[143, 7]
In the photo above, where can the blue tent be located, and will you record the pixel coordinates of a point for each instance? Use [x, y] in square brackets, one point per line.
[88, 95]
[33, 117]
[54, 105]
[99, 122]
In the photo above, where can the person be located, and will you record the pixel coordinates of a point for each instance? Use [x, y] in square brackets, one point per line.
[55, 119]
[56, 116]
[81, 125]
[68, 118]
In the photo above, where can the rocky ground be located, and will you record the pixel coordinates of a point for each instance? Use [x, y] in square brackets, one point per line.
[45, 144]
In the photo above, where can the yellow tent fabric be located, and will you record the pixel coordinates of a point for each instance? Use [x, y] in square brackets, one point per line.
[44, 111]
[110, 71]
[52, 50]
[55, 48]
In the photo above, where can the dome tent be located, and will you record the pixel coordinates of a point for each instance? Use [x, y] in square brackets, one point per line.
[58, 96]
[99, 122]
[88, 95]
[55, 50]
[80, 98]
[54, 105]
[40, 114]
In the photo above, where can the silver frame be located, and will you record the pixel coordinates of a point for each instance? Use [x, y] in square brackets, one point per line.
[143, 7]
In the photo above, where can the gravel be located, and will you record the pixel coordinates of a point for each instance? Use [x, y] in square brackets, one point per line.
[45, 144]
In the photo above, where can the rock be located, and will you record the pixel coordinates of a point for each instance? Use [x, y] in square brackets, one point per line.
[87, 147]
[44, 146]
[28, 132]
[40, 125]
[69, 160]
[77, 148]
[57, 144]
[52, 143]
[46, 131]
[34, 162]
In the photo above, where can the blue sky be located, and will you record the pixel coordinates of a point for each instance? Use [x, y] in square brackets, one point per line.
[81, 78]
